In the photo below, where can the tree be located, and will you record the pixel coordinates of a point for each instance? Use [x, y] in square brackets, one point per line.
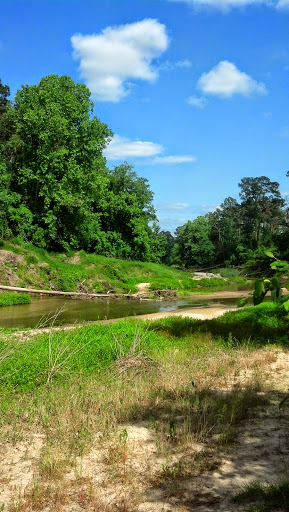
[169, 241]
[261, 210]
[57, 165]
[126, 214]
[193, 246]
[225, 225]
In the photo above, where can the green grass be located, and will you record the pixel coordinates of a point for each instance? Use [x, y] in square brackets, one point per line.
[80, 350]
[265, 497]
[95, 347]
[262, 324]
[11, 299]
[79, 271]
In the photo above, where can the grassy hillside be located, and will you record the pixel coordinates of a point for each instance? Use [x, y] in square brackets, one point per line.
[27, 266]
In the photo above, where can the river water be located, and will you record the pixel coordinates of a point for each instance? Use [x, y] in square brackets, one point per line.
[77, 311]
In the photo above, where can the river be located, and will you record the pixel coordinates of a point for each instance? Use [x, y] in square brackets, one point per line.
[76, 311]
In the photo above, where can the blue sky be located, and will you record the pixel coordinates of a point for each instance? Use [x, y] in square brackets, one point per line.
[195, 91]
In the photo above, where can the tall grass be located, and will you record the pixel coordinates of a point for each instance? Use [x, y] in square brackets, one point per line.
[11, 298]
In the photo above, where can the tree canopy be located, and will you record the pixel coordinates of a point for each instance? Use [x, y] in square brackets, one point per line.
[234, 231]
[55, 187]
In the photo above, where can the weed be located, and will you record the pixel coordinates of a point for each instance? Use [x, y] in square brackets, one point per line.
[59, 354]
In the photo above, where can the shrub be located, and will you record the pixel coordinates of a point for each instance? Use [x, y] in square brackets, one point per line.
[229, 273]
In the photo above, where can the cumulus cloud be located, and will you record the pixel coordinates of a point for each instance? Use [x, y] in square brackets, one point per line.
[197, 102]
[112, 59]
[121, 147]
[174, 159]
[225, 79]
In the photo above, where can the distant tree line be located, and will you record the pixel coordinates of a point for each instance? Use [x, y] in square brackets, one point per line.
[55, 188]
[236, 231]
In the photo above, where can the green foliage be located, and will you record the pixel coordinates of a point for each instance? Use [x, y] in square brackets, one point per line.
[193, 247]
[263, 286]
[11, 299]
[229, 273]
[55, 188]
[242, 302]
[261, 209]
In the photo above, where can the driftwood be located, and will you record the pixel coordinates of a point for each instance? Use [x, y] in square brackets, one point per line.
[166, 294]
[160, 294]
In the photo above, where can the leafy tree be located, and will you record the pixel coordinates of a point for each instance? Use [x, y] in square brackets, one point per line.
[225, 225]
[261, 210]
[127, 211]
[169, 241]
[57, 166]
[193, 246]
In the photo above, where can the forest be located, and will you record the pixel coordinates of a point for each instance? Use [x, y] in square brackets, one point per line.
[57, 192]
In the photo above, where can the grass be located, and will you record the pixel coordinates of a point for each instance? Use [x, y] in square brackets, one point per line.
[91, 348]
[259, 325]
[11, 299]
[265, 497]
[79, 271]
[183, 387]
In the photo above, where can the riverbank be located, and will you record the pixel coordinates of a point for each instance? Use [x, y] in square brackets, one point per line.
[24, 266]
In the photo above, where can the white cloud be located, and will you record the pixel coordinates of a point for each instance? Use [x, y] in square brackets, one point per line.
[226, 5]
[121, 147]
[197, 102]
[225, 80]
[173, 206]
[109, 61]
[174, 159]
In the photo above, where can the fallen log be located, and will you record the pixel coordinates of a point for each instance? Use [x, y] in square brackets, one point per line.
[68, 294]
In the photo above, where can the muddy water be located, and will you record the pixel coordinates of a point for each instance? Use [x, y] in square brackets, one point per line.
[77, 311]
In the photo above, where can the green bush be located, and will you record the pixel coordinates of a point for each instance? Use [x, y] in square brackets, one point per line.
[214, 281]
[229, 273]
[11, 299]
